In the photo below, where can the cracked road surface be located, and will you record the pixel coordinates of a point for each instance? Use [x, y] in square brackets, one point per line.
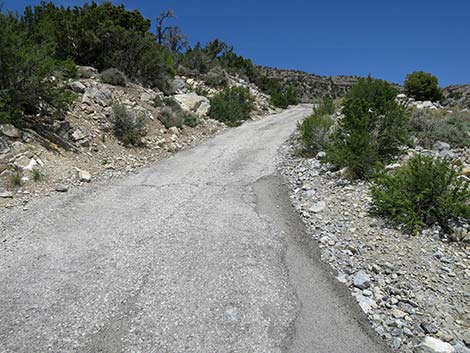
[201, 252]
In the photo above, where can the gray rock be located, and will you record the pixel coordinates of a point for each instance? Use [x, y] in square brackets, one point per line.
[103, 97]
[17, 147]
[77, 87]
[4, 145]
[318, 207]
[466, 338]
[61, 188]
[148, 96]
[429, 327]
[361, 280]
[9, 130]
[6, 194]
[79, 134]
[440, 146]
[396, 343]
[460, 348]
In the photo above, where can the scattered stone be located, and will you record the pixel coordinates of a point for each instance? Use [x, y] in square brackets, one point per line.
[79, 134]
[361, 280]
[61, 188]
[84, 176]
[318, 207]
[77, 87]
[6, 194]
[429, 327]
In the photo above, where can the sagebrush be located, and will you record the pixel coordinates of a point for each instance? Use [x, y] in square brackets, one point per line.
[128, 127]
[422, 192]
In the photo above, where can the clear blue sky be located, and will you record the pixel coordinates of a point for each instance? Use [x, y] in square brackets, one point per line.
[386, 39]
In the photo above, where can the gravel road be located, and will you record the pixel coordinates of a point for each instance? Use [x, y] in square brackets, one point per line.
[201, 252]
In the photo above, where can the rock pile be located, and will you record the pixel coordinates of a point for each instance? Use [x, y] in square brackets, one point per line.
[414, 289]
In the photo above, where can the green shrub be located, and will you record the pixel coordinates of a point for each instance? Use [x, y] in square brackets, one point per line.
[37, 175]
[315, 129]
[170, 118]
[283, 97]
[326, 107]
[314, 132]
[127, 127]
[422, 192]
[231, 106]
[429, 127]
[113, 77]
[423, 86]
[191, 119]
[28, 91]
[372, 131]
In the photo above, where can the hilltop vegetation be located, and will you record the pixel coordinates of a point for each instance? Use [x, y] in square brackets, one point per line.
[40, 49]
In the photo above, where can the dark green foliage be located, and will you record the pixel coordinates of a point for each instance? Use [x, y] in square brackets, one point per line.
[170, 118]
[422, 192]
[113, 77]
[429, 127]
[284, 97]
[27, 88]
[102, 36]
[315, 129]
[231, 106]
[127, 127]
[372, 131]
[423, 86]
[191, 119]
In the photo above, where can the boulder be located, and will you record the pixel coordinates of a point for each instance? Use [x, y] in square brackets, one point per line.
[79, 134]
[77, 87]
[25, 163]
[193, 102]
[9, 130]
[318, 207]
[433, 345]
[174, 130]
[361, 280]
[465, 172]
[440, 146]
[104, 97]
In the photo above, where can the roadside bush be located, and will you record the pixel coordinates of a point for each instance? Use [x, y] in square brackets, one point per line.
[372, 131]
[216, 77]
[27, 88]
[429, 127]
[231, 106]
[127, 127]
[423, 86]
[113, 77]
[422, 192]
[170, 118]
[315, 129]
[282, 97]
[191, 119]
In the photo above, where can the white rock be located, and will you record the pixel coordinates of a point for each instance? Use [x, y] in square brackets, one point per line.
[431, 344]
[84, 176]
[192, 102]
[361, 280]
[6, 194]
[9, 131]
[174, 130]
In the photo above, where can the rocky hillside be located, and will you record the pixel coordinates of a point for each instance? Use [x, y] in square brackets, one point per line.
[311, 86]
[83, 146]
[457, 95]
